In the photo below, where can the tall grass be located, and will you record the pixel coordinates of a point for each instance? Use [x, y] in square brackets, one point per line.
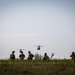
[24, 67]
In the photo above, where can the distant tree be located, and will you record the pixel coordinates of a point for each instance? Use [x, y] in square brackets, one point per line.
[38, 57]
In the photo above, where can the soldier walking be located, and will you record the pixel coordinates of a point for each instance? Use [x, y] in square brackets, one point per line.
[21, 56]
[12, 56]
[46, 57]
[73, 56]
[30, 56]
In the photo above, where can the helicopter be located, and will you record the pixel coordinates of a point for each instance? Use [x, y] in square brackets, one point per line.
[21, 50]
[52, 55]
[38, 47]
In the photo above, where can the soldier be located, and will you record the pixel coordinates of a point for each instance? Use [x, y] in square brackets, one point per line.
[21, 56]
[73, 56]
[12, 56]
[46, 57]
[30, 56]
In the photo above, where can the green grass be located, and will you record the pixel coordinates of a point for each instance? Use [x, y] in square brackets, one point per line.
[24, 67]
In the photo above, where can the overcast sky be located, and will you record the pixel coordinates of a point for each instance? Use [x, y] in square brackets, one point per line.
[29, 23]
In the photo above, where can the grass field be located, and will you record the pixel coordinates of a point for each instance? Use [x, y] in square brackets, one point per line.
[24, 67]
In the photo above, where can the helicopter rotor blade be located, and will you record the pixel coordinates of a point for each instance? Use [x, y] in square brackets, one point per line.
[21, 49]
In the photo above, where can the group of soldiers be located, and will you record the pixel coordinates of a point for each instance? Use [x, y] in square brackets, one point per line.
[30, 56]
[22, 55]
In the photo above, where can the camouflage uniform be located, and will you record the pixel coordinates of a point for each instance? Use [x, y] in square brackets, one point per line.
[46, 57]
[12, 56]
[22, 56]
[73, 56]
[30, 57]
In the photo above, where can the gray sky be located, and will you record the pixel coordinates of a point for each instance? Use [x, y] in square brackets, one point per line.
[28, 23]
